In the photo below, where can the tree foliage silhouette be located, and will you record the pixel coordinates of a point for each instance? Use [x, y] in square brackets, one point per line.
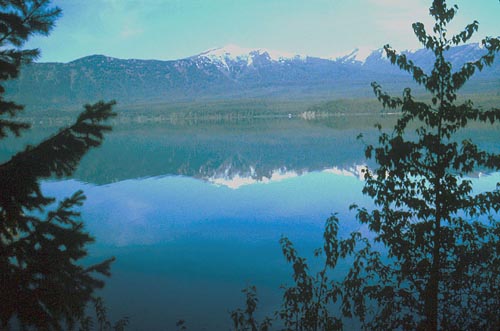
[441, 236]
[244, 319]
[432, 260]
[103, 323]
[41, 284]
[307, 304]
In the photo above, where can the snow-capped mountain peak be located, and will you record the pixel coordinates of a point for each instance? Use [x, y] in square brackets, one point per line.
[236, 53]
[359, 54]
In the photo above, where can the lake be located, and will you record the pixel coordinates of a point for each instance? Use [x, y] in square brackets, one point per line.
[193, 212]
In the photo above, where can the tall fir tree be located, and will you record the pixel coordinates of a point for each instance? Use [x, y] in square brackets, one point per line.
[42, 285]
[440, 236]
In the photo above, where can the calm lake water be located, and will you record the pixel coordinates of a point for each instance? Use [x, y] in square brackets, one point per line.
[194, 212]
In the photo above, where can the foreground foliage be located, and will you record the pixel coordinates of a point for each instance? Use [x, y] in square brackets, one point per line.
[102, 322]
[442, 264]
[42, 285]
[437, 262]
[314, 300]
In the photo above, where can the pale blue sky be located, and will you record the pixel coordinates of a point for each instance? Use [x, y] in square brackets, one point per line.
[173, 29]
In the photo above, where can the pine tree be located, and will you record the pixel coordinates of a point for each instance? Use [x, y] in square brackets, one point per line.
[41, 283]
[441, 236]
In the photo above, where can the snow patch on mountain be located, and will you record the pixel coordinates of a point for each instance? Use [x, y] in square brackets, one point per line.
[357, 55]
[234, 53]
[229, 54]
[233, 58]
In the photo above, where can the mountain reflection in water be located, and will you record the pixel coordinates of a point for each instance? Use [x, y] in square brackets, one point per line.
[194, 213]
[254, 149]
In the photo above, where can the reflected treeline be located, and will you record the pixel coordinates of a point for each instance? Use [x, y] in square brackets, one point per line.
[223, 149]
[207, 150]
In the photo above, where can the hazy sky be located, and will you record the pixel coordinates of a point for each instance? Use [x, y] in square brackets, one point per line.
[173, 29]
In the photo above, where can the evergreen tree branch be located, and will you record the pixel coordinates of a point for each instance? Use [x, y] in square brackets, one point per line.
[35, 260]
[60, 154]
[40, 282]
[21, 22]
[13, 126]
[57, 156]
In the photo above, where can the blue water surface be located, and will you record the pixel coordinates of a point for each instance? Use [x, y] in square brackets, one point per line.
[186, 247]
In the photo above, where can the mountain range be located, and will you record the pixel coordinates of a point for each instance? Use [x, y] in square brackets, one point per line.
[226, 73]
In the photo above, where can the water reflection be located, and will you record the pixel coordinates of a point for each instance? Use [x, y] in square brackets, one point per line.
[194, 213]
[258, 149]
[186, 247]
[253, 149]
[278, 175]
[161, 209]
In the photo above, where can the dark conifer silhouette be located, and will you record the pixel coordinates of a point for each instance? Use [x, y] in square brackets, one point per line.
[441, 237]
[41, 283]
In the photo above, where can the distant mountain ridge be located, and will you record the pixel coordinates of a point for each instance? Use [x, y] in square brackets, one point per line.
[237, 53]
[224, 73]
